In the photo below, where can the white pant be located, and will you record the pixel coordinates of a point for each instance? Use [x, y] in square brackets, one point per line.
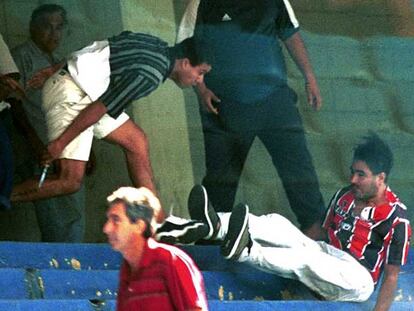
[281, 248]
[63, 100]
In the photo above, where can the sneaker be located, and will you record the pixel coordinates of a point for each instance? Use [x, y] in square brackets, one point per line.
[177, 230]
[237, 237]
[200, 209]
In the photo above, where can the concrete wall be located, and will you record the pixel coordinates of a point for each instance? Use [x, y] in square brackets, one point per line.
[361, 52]
[162, 114]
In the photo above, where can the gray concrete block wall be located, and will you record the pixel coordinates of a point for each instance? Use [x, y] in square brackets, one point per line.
[356, 18]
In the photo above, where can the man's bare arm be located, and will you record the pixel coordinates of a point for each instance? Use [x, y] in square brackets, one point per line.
[87, 117]
[388, 286]
[297, 51]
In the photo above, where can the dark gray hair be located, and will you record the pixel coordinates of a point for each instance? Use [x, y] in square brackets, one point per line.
[44, 9]
[140, 203]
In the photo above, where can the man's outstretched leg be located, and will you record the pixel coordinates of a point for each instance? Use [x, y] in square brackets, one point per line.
[203, 225]
[330, 272]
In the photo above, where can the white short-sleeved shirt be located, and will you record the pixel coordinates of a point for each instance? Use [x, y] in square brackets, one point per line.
[89, 68]
[7, 64]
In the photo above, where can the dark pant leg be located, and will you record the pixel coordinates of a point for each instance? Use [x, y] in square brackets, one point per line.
[62, 219]
[294, 165]
[286, 144]
[6, 166]
[226, 152]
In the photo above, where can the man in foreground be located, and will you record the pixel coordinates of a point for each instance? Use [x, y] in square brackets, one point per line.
[367, 228]
[154, 276]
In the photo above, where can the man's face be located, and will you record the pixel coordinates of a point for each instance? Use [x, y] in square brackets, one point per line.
[189, 75]
[364, 183]
[119, 230]
[47, 32]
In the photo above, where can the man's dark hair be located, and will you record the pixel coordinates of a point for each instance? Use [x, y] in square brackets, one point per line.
[190, 48]
[375, 153]
[45, 9]
[135, 211]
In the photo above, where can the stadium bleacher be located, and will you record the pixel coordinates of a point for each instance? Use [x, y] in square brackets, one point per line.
[46, 276]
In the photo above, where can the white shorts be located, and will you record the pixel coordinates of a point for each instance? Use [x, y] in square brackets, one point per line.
[63, 100]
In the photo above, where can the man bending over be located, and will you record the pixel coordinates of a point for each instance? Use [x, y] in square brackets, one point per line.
[87, 98]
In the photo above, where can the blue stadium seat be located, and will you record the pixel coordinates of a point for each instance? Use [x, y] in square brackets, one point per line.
[34, 274]
[300, 305]
[89, 284]
[67, 284]
[55, 305]
[58, 256]
[214, 305]
[13, 284]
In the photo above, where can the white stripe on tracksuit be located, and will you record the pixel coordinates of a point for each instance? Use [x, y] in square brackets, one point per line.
[292, 15]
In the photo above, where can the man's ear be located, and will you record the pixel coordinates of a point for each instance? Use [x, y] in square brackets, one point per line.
[382, 176]
[185, 62]
[141, 225]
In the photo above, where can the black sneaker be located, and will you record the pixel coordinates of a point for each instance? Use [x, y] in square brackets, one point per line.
[237, 237]
[181, 231]
[200, 209]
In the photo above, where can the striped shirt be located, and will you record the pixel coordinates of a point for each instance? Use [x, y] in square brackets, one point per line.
[380, 234]
[167, 279]
[122, 69]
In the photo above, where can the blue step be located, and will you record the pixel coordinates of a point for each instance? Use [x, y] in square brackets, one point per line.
[214, 305]
[102, 257]
[14, 284]
[103, 284]
[58, 256]
[55, 305]
[95, 284]
[97, 257]
[79, 272]
[293, 305]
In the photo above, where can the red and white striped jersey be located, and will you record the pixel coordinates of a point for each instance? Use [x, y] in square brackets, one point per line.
[380, 234]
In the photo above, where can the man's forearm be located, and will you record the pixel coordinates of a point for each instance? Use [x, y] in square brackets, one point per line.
[388, 286]
[297, 50]
[201, 87]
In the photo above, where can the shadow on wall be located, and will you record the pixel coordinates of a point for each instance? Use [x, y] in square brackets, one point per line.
[357, 18]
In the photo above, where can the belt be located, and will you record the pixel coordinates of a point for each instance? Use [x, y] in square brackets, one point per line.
[64, 70]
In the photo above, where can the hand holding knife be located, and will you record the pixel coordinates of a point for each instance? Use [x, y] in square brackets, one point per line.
[43, 176]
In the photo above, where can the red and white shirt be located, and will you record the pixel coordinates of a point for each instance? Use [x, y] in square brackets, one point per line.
[380, 234]
[167, 279]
